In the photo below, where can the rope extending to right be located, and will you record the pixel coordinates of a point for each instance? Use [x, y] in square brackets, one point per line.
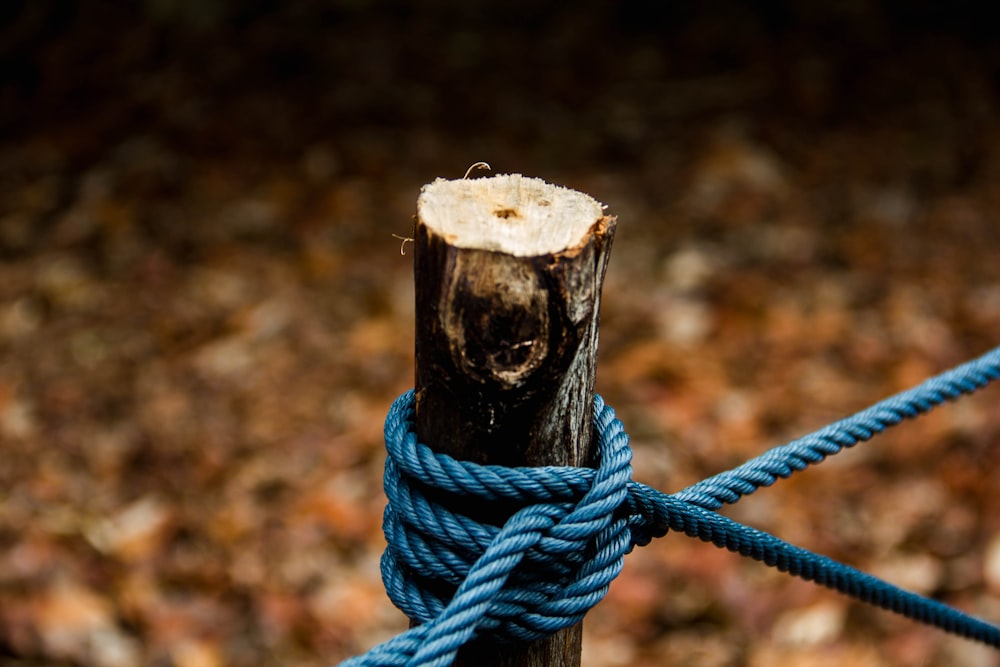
[764, 470]
[463, 574]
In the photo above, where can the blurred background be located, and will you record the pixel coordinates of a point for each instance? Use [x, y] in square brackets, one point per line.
[204, 315]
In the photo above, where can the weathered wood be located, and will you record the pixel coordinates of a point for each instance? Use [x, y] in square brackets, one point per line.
[508, 274]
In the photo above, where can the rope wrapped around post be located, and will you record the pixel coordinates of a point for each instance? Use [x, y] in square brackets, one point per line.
[561, 533]
[507, 284]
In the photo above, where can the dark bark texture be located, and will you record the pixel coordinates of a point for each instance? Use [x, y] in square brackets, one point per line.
[506, 352]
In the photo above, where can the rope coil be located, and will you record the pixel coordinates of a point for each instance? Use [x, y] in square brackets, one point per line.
[573, 545]
[543, 564]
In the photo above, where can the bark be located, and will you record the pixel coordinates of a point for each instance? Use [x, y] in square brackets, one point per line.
[508, 274]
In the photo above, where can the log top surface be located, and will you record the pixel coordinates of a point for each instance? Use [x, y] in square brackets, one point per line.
[508, 213]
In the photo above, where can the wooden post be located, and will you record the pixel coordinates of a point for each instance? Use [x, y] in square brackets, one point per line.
[508, 274]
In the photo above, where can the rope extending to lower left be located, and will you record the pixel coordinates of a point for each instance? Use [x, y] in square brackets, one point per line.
[515, 554]
[569, 530]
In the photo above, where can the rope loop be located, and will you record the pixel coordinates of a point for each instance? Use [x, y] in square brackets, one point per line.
[516, 554]
[563, 524]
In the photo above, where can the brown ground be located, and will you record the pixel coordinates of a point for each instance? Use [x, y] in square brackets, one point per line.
[204, 316]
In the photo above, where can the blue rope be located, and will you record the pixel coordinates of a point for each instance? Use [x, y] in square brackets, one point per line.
[566, 530]
[730, 486]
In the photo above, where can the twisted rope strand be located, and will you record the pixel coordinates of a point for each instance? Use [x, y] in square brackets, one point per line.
[708, 526]
[556, 555]
[782, 461]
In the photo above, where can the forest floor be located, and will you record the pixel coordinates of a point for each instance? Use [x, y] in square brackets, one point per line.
[204, 314]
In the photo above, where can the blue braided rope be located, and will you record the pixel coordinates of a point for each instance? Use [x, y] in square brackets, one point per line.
[569, 529]
[764, 470]
[706, 525]
[429, 542]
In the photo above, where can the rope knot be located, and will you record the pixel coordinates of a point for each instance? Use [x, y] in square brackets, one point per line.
[524, 551]
[538, 566]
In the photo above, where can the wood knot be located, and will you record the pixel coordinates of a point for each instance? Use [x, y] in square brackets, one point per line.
[496, 318]
[505, 213]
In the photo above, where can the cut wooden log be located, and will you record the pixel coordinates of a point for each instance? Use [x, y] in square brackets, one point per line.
[508, 273]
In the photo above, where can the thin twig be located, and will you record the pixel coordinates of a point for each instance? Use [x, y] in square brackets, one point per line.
[478, 165]
[409, 239]
[405, 240]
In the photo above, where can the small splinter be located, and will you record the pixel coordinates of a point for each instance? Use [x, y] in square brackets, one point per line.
[478, 165]
[405, 240]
